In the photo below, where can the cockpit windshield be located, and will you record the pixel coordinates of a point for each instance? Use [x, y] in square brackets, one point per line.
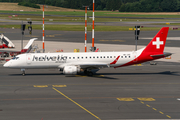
[15, 58]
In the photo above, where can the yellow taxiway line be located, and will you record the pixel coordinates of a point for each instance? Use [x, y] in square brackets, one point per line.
[76, 103]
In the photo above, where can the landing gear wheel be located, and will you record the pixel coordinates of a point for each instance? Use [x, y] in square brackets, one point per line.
[23, 72]
[85, 72]
[89, 73]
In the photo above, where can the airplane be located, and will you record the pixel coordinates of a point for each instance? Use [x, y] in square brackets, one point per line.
[91, 62]
[6, 43]
[26, 49]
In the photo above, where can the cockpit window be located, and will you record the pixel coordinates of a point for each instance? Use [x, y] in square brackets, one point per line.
[15, 58]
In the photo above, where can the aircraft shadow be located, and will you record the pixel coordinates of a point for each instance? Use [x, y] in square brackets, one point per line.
[100, 75]
[159, 73]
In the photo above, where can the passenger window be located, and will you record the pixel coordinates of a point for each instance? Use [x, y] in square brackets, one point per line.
[107, 56]
[125, 56]
[114, 56]
[104, 57]
[93, 57]
[110, 56]
[78, 57]
[90, 57]
[73, 57]
[129, 56]
[86, 57]
[82, 57]
[97, 57]
[101, 56]
[69, 57]
[121, 56]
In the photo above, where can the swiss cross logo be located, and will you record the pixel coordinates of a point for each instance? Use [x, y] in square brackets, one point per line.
[158, 43]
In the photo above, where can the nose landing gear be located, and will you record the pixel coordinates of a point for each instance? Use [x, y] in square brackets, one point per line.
[23, 72]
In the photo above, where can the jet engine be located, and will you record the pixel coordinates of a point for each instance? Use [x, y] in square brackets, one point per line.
[71, 70]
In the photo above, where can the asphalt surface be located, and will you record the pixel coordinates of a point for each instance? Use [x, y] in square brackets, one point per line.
[120, 23]
[121, 37]
[135, 92]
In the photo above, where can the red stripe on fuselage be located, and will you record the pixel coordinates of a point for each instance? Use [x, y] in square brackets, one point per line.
[115, 61]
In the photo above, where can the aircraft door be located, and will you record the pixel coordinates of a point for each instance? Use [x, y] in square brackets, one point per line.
[28, 59]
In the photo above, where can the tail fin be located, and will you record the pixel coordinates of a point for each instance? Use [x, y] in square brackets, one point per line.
[154, 50]
[28, 47]
[157, 44]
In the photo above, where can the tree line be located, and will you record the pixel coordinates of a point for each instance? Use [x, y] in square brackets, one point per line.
[121, 5]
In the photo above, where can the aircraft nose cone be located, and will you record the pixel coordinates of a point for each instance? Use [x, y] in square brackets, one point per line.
[7, 64]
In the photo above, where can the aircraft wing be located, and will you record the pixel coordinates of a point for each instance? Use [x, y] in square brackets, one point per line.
[86, 65]
[90, 65]
[93, 65]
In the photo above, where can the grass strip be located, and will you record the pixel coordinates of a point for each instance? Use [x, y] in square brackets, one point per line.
[81, 27]
[166, 24]
[97, 13]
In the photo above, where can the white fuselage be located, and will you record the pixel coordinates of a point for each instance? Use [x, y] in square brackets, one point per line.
[59, 60]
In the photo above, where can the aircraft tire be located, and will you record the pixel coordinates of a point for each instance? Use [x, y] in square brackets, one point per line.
[85, 72]
[90, 74]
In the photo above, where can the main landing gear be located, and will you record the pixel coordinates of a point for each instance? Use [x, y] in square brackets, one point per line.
[23, 72]
[88, 73]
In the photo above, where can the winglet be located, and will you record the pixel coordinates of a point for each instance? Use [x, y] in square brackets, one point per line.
[115, 61]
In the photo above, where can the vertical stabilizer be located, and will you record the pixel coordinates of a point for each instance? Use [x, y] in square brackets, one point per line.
[157, 44]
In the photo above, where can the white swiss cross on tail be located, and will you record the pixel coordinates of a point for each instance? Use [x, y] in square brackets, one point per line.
[158, 43]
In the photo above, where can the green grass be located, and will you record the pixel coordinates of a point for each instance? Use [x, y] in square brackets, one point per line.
[81, 28]
[166, 24]
[73, 19]
[97, 13]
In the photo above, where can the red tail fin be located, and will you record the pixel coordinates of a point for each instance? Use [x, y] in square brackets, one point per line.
[157, 44]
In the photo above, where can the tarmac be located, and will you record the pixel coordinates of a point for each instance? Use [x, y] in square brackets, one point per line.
[135, 92]
[141, 91]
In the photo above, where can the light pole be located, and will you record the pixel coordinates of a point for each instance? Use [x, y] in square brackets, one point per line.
[85, 44]
[93, 49]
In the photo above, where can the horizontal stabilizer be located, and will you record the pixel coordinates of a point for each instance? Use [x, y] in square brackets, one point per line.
[162, 55]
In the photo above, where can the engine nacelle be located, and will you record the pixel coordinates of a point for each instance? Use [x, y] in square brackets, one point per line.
[71, 70]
